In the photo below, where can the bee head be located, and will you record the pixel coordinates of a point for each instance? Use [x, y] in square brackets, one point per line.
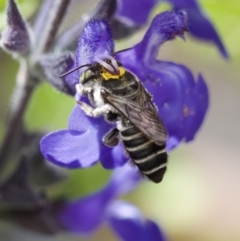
[107, 68]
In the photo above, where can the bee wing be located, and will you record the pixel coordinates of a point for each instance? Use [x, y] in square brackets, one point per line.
[142, 113]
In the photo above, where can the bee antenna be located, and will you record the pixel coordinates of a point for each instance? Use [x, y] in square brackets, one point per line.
[72, 70]
[123, 50]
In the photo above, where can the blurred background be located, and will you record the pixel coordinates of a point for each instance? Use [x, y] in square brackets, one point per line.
[199, 198]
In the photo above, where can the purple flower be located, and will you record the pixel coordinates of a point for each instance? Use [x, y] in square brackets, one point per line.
[80, 145]
[182, 102]
[85, 215]
[199, 24]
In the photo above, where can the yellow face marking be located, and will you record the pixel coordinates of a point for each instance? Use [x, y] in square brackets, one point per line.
[107, 75]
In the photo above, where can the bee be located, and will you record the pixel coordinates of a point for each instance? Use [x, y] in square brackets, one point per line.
[120, 97]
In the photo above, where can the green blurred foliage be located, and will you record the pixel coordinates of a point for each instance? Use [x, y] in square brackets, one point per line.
[81, 182]
[226, 17]
[49, 109]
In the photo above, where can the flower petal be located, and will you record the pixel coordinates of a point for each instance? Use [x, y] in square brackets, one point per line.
[126, 9]
[153, 231]
[113, 157]
[109, 157]
[164, 27]
[68, 39]
[71, 149]
[182, 103]
[129, 224]
[86, 214]
[95, 41]
[199, 24]
[125, 179]
[81, 145]
[78, 121]
[77, 147]
[195, 111]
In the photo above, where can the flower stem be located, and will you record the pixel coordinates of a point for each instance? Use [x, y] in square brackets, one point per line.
[55, 17]
[19, 102]
[27, 80]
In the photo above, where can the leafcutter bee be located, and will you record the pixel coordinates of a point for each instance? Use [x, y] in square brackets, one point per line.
[120, 96]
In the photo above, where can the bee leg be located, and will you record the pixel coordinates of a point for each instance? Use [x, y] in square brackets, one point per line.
[101, 110]
[90, 111]
[111, 138]
[82, 90]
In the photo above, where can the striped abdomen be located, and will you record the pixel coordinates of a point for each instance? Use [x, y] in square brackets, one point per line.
[151, 159]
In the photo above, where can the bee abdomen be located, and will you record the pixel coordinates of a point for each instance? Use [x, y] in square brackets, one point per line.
[150, 158]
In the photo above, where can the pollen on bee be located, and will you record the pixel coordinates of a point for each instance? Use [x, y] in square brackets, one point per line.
[107, 75]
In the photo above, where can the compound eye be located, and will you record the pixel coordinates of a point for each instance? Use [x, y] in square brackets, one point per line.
[86, 76]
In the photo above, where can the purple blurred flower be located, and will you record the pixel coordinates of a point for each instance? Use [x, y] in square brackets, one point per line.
[199, 24]
[182, 102]
[85, 215]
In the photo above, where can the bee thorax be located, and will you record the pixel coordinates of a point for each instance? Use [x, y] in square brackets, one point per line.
[97, 97]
